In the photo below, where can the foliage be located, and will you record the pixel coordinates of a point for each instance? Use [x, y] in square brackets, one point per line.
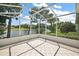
[46, 16]
[70, 35]
[42, 30]
[52, 28]
[22, 26]
[67, 27]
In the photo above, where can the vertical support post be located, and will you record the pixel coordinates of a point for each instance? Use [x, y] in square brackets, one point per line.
[77, 23]
[39, 26]
[77, 18]
[45, 27]
[9, 51]
[56, 22]
[56, 27]
[9, 28]
[19, 28]
[30, 26]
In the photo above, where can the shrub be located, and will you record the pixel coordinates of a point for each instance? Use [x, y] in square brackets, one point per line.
[67, 27]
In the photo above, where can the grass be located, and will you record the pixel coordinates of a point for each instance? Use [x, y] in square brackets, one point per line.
[20, 28]
[70, 35]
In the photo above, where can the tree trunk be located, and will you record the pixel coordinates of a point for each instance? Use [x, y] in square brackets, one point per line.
[28, 30]
[51, 27]
[9, 29]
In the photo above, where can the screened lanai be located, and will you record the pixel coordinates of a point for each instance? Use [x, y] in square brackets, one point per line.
[37, 30]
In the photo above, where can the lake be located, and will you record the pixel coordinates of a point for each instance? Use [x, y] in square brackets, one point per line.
[15, 33]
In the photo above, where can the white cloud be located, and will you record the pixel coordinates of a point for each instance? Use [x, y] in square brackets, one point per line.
[27, 17]
[57, 6]
[60, 12]
[70, 18]
[34, 23]
[40, 4]
[50, 11]
[20, 15]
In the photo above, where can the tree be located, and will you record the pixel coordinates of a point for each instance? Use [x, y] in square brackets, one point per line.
[67, 27]
[45, 13]
[49, 17]
[24, 26]
[53, 24]
[35, 18]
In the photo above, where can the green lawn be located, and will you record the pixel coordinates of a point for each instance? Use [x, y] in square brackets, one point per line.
[20, 29]
[71, 35]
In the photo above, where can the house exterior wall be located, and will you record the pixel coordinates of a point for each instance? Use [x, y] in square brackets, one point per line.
[77, 18]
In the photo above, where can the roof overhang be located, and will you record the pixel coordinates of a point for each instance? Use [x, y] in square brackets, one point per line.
[10, 13]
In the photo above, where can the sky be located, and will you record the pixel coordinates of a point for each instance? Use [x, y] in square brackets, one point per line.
[58, 8]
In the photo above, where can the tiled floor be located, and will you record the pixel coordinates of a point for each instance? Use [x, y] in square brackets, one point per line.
[47, 49]
[65, 52]
[4, 52]
[39, 47]
[20, 49]
[31, 53]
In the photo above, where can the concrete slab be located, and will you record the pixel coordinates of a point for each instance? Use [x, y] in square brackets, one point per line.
[36, 42]
[51, 42]
[69, 48]
[16, 50]
[47, 49]
[65, 52]
[31, 53]
[4, 52]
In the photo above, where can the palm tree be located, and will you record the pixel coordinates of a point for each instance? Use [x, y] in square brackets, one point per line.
[49, 17]
[45, 13]
[34, 18]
